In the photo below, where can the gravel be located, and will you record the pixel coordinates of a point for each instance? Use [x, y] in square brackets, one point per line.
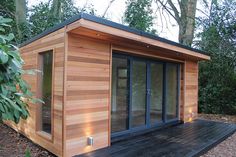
[227, 148]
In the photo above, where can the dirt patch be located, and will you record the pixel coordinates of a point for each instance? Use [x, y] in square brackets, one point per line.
[227, 148]
[12, 144]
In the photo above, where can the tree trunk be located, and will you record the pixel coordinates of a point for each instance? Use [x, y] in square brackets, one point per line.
[185, 17]
[187, 21]
[20, 16]
[56, 8]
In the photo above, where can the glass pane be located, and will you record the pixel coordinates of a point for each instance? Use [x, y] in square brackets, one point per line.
[138, 94]
[171, 97]
[47, 59]
[122, 72]
[156, 93]
[120, 91]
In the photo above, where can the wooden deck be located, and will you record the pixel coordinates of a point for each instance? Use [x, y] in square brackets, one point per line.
[185, 140]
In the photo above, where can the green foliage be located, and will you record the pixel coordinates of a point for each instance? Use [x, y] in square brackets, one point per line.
[217, 78]
[42, 17]
[13, 89]
[27, 153]
[7, 8]
[138, 14]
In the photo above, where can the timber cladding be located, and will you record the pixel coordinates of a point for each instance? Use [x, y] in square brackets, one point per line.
[191, 90]
[87, 94]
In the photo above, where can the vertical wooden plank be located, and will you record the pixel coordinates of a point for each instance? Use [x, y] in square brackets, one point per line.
[64, 96]
[110, 96]
[182, 91]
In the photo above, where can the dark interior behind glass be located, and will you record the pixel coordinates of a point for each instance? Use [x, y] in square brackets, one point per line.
[46, 80]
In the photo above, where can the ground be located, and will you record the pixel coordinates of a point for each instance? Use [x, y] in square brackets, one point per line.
[227, 148]
[13, 144]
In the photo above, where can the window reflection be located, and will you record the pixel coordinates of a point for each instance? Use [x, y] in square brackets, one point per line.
[156, 93]
[138, 94]
[46, 89]
[171, 95]
[119, 107]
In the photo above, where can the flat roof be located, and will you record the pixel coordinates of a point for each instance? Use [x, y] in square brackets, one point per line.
[107, 23]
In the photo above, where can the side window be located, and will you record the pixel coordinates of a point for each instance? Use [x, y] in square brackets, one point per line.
[45, 90]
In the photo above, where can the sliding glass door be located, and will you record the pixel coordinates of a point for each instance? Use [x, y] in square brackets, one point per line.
[171, 91]
[144, 93]
[138, 97]
[120, 92]
[156, 93]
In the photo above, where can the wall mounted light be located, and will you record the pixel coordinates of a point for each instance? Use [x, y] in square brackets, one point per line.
[191, 115]
[90, 141]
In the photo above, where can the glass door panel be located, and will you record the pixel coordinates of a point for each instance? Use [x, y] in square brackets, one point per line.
[171, 91]
[140, 95]
[156, 95]
[120, 92]
[138, 105]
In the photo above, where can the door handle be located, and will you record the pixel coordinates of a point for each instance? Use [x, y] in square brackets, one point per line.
[148, 91]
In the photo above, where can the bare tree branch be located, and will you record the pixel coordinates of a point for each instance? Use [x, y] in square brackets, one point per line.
[176, 12]
[168, 10]
[84, 6]
[168, 15]
[109, 5]
[159, 12]
[163, 14]
[202, 12]
[162, 28]
[179, 2]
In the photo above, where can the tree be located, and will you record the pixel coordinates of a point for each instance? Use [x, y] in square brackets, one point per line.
[28, 22]
[56, 8]
[184, 15]
[20, 17]
[108, 6]
[7, 8]
[47, 14]
[14, 91]
[138, 14]
[217, 77]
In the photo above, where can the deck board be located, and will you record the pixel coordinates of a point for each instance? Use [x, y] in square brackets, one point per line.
[189, 139]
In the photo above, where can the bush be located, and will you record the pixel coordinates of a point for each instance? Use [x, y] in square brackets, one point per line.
[14, 91]
[217, 77]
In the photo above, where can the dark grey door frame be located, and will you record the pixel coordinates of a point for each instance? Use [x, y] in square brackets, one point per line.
[148, 92]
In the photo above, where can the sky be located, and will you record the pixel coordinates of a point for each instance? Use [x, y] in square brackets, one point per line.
[168, 30]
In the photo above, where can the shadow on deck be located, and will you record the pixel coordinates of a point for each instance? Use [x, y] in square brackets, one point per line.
[189, 139]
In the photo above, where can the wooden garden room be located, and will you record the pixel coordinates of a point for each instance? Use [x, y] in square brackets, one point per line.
[102, 81]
